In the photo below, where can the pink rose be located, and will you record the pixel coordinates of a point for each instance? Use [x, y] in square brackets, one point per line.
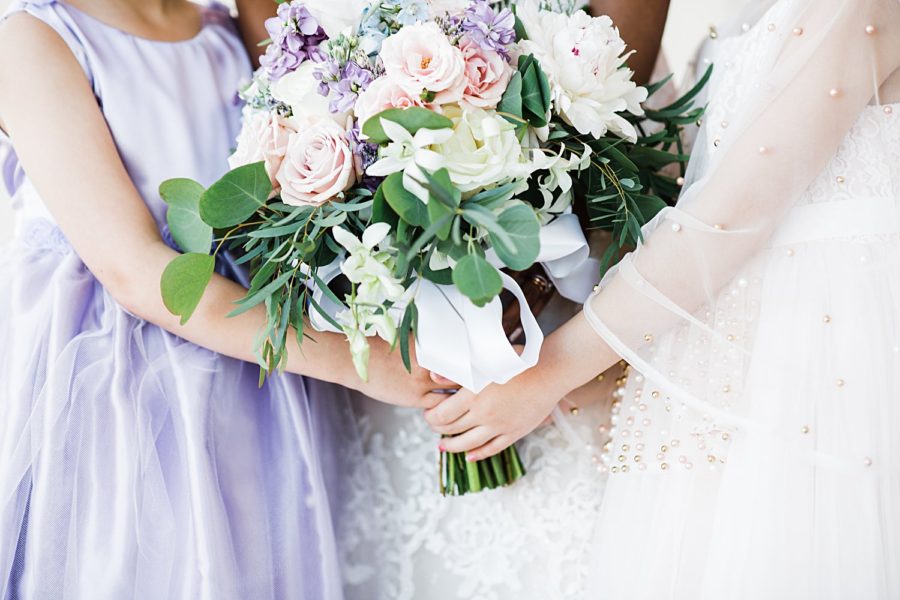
[421, 60]
[318, 164]
[263, 137]
[383, 94]
[487, 75]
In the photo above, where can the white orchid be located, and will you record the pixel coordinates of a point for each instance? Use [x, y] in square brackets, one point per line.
[556, 186]
[371, 272]
[411, 154]
[366, 266]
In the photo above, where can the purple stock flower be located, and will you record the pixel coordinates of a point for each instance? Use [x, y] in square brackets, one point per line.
[343, 85]
[489, 28]
[295, 35]
[366, 153]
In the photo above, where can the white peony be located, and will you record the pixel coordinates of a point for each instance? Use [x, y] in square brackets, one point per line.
[582, 56]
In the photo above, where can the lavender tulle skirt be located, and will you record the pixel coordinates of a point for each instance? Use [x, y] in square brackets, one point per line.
[134, 464]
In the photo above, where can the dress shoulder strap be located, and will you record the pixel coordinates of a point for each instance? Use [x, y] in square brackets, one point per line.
[55, 14]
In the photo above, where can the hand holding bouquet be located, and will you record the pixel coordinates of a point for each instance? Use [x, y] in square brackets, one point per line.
[396, 157]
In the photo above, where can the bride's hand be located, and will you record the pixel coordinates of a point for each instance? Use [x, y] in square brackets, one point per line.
[487, 423]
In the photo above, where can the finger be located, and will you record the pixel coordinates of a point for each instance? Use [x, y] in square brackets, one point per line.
[450, 409]
[443, 381]
[431, 400]
[461, 425]
[493, 447]
[474, 438]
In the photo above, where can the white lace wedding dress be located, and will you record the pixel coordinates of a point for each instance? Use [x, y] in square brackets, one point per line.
[401, 540]
[764, 314]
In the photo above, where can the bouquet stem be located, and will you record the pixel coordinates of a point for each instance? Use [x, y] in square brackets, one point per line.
[459, 476]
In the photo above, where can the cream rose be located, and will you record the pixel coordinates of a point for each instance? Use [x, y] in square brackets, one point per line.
[487, 75]
[420, 60]
[264, 137]
[383, 94]
[483, 150]
[318, 165]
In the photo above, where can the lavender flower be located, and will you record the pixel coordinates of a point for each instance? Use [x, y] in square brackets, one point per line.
[490, 29]
[342, 84]
[366, 154]
[295, 35]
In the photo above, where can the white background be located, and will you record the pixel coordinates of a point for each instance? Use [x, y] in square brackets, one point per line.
[689, 23]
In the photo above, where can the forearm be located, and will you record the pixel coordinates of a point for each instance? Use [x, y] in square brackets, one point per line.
[324, 357]
[252, 15]
[641, 24]
[572, 356]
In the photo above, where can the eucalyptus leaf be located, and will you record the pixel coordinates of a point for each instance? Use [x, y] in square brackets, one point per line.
[184, 281]
[236, 196]
[183, 215]
[522, 227]
[477, 279]
[406, 204]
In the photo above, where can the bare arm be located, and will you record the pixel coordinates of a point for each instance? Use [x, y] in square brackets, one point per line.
[61, 138]
[252, 15]
[641, 23]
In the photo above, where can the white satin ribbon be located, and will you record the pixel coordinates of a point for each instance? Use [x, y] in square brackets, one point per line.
[565, 254]
[467, 344]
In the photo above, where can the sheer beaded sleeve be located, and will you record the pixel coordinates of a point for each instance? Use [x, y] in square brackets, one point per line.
[824, 63]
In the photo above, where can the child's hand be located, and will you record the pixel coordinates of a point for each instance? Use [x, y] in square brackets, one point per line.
[487, 423]
[390, 382]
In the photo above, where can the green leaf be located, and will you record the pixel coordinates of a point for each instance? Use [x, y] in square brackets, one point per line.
[441, 189]
[183, 216]
[184, 281]
[412, 119]
[522, 227]
[263, 294]
[239, 194]
[477, 279]
[535, 91]
[407, 328]
[511, 103]
[405, 203]
[495, 197]
[442, 214]
[381, 211]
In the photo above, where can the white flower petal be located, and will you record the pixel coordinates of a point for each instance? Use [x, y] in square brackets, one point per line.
[374, 234]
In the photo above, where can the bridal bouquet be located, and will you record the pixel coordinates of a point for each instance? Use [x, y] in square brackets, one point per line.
[397, 157]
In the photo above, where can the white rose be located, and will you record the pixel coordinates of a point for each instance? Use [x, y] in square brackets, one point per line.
[300, 91]
[582, 57]
[484, 150]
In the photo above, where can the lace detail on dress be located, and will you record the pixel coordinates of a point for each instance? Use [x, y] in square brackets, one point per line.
[527, 541]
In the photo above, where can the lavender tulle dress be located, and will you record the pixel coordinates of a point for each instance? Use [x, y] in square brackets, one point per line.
[134, 464]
